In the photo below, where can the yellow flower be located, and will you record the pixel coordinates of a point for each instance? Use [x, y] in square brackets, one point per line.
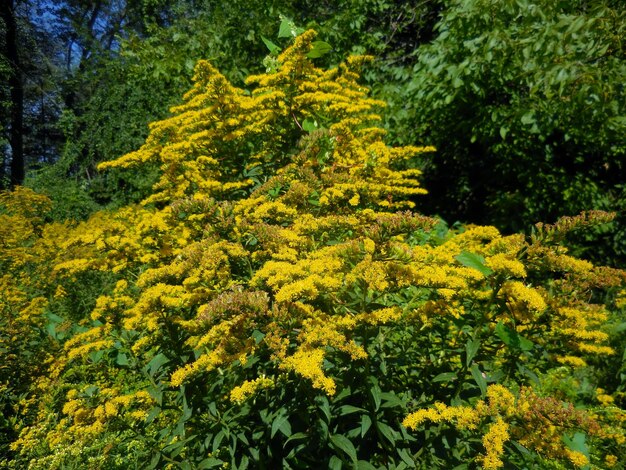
[494, 441]
[577, 458]
[308, 364]
[501, 400]
[354, 200]
[249, 388]
[505, 264]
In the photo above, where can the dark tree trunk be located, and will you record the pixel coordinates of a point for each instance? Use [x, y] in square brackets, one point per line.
[17, 92]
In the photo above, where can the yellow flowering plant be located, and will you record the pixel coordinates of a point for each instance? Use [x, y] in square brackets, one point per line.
[276, 303]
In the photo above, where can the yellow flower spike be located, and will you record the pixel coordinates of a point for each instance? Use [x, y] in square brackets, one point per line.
[308, 364]
[571, 361]
[248, 388]
[493, 442]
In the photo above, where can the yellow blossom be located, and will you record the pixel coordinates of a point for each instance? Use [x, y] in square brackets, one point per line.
[249, 388]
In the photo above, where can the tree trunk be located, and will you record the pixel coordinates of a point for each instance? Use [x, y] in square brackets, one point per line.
[17, 92]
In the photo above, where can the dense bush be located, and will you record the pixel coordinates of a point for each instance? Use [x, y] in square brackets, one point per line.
[275, 303]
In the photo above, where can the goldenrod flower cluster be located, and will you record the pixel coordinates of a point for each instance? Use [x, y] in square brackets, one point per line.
[535, 422]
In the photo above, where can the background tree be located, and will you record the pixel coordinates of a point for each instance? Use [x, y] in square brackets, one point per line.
[12, 68]
[526, 104]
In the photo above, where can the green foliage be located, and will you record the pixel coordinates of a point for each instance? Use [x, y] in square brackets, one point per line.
[525, 102]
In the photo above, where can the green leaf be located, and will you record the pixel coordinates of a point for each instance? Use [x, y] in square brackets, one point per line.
[445, 377]
[54, 318]
[391, 400]
[387, 432]
[309, 125]
[190, 64]
[156, 363]
[471, 348]
[349, 409]
[375, 393]
[210, 463]
[363, 465]
[122, 359]
[51, 329]
[343, 443]
[619, 328]
[462, 466]
[153, 413]
[474, 261]
[528, 373]
[257, 336]
[296, 437]
[286, 28]
[528, 118]
[281, 423]
[319, 49]
[479, 378]
[154, 462]
[273, 48]
[406, 458]
[511, 338]
[366, 423]
[324, 406]
[335, 463]
[578, 443]
[525, 343]
[157, 394]
[96, 356]
[218, 440]
[520, 448]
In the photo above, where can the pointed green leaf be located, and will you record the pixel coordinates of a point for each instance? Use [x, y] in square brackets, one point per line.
[319, 49]
[281, 423]
[406, 458]
[349, 409]
[375, 393]
[273, 48]
[363, 465]
[511, 338]
[343, 443]
[286, 28]
[210, 462]
[387, 432]
[445, 377]
[366, 423]
[471, 348]
[479, 378]
[474, 261]
[156, 363]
